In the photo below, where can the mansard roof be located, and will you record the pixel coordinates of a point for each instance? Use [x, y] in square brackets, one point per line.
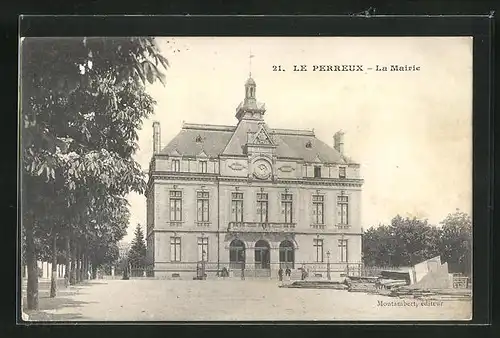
[215, 140]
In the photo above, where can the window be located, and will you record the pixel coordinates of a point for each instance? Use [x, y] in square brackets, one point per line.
[237, 206]
[318, 246]
[203, 206]
[317, 171]
[343, 250]
[343, 209]
[176, 205]
[341, 172]
[175, 249]
[286, 207]
[262, 203]
[318, 208]
[203, 166]
[203, 249]
[176, 165]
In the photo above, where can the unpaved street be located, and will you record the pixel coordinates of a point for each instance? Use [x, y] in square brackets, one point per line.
[170, 300]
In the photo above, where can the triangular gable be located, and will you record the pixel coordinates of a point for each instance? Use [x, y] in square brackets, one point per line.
[175, 153]
[202, 154]
[262, 137]
[318, 159]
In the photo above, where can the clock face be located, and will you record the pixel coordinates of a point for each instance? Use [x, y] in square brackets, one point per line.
[262, 169]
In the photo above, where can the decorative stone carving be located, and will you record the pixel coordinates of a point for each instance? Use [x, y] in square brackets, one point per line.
[286, 168]
[237, 166]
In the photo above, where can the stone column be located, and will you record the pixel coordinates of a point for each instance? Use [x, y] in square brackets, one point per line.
[274, 260]
[250, 256]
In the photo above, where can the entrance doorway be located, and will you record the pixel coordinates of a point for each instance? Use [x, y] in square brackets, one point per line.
[287, 255]
[262, 255]
[237, 255]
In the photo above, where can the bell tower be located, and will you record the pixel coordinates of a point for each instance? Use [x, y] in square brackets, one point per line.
[250, 108]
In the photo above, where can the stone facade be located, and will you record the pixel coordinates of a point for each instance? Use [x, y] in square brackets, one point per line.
[251, 197]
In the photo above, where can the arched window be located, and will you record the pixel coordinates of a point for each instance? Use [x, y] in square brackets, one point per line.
[237, 254]
[262, 255]
[287, 254]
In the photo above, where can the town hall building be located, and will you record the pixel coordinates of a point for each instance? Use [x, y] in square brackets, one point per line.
[252, 199]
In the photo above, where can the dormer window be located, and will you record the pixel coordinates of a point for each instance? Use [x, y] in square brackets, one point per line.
[198, 139]
[317, 171]
[203, 166]
[342, 172]
[176, 165]
[308, 144]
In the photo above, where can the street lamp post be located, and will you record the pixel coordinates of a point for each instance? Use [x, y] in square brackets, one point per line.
[328, 265]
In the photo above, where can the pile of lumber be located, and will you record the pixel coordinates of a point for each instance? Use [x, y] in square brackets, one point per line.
[361, 287]
[315, 285]
[391, 283]
[363, 279]
[432, 294]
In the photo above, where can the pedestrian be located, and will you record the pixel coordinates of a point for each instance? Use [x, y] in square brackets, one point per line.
[242, 272]
[304, 273]
[88, 274]
[288, 272]
[280, 274]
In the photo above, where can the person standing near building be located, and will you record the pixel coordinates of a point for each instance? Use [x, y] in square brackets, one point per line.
[242, 272]
[280, 274]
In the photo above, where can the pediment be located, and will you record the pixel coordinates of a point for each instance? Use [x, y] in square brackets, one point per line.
[318, 159]
[262, 137]
[202, 154]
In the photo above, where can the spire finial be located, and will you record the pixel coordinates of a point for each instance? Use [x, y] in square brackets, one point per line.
[250, 62]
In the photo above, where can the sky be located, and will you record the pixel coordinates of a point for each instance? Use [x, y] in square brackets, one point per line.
[410, 131]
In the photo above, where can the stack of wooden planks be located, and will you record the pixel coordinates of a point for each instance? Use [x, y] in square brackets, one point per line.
[433, 294]
[315, 285]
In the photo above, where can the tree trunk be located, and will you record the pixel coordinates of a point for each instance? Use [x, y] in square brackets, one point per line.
[87, 266]
[94, 270]
[84, 264]
[77, 263]
[80, 264]
[53, 280]
[32, 287]
[72, 280]
[68, 261]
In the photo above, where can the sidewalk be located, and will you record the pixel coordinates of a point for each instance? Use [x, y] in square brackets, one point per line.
[48, 305]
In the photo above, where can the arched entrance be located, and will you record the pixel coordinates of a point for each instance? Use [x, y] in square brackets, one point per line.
[237, 254]
[262, 255]
[287, 254]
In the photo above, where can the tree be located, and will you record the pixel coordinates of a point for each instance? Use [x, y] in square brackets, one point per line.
[82, 102]
[405, 242]
[456, 242]
[378, 246]
[137, 252]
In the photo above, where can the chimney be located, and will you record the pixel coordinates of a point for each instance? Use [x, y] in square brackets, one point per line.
[338, 142]
[156, 137]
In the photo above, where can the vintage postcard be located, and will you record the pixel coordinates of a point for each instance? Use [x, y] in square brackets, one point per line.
[246, 178]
